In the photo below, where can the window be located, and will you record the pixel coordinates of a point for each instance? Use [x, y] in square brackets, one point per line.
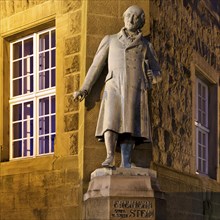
[32, 95]
[202, 130]
[205, 112]
[206, 123]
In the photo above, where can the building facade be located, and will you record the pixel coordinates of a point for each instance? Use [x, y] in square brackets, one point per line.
[48, 148]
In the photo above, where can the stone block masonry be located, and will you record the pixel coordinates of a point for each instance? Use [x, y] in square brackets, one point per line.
[179, 29]
[48, 187]
[41, 193]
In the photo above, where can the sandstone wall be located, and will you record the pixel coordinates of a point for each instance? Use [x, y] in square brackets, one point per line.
[43, 188]
[48, 187]
[181, 31]
[178, 30]
[189, 196]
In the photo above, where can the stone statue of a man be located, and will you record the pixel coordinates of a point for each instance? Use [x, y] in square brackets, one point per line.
[132, 69]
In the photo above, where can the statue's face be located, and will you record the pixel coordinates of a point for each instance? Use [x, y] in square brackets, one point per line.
[132, 19]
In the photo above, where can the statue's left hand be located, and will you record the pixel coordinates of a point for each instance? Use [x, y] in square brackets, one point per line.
[80, 95]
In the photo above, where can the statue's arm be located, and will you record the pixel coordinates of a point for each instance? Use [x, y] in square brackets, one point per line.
[95, 69]
[153, 64]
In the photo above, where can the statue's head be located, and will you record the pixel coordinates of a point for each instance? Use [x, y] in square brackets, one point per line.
[134, 18]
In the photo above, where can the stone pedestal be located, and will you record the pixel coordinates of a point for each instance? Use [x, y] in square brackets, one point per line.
[132, 194]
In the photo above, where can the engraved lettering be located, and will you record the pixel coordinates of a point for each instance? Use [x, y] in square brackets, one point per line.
[130, 209]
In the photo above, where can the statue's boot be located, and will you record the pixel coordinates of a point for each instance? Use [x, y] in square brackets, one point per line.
[110, 144]
[109, 161]
[126, 149]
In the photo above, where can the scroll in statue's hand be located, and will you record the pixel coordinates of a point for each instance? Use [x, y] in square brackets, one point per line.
[79, 95]
[150, 76]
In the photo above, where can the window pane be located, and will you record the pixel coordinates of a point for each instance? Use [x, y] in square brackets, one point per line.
[44, 125]
[44, 145]
[204, 153]
[44, 41]
[28, 110]
[28, 65]
[28, 47]
[203, 105]
[202, 149]
[17, 87]
[203, 92]
[199, 137]
[44, 61]
[53, 104]
[199, 116]
[17, 149]
[199, 151]
[203, 166]
[53, 58]
[203, 119]
[52, 142]
[53, 77]
[53, 124]
[17, 112]
[44, 80]
[199, 102]
[17, 69]
[28, 84]
[44, 106]
[28, 147]
[17, 50]
[17, 130]
[53, 39]
[28, 129]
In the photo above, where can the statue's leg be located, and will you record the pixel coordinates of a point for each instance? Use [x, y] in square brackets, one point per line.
[126, 150]
[110, 144]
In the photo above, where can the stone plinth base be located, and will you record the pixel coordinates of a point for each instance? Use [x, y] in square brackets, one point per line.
[132, 194]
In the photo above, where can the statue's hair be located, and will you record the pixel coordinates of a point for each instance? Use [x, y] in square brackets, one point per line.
[142, 14]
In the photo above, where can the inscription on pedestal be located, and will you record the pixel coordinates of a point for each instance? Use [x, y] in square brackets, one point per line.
[132, 209]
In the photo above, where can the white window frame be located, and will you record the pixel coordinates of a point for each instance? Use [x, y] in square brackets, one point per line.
[47, 115]
[202, 129]
[33, 96]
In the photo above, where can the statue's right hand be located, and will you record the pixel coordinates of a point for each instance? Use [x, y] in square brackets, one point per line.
[79, 95]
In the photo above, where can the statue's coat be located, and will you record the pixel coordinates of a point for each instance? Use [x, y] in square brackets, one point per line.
[124, 107]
